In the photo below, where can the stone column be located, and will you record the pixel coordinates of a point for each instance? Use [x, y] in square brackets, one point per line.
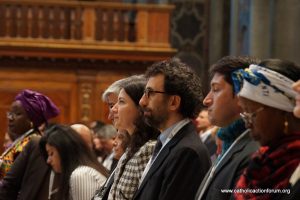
[216, 30]
[260, 29]
[286, 40]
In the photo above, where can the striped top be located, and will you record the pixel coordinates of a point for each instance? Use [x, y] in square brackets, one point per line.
[84, 182]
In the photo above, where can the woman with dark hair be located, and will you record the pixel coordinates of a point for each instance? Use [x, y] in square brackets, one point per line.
[268, 100]
[67, 153]
[27, 113]
[128, 117]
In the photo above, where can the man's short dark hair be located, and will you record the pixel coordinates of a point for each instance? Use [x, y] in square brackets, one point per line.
[228, 64]
[181, 80]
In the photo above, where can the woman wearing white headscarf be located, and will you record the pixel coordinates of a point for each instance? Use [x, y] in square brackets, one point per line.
[268, 100]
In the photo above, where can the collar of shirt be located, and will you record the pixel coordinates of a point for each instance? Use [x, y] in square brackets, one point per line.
[170, 132]
[165, 137]
[205, 135]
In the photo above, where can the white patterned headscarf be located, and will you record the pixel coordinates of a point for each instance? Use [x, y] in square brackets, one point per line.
[265, 86]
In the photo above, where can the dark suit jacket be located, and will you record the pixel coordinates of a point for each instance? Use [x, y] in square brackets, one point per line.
[211, 145]
[178, 170]
[229, 170]
[28, 178]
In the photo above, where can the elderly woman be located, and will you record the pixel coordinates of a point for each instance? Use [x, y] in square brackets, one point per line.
[268, 101]
[27, 113]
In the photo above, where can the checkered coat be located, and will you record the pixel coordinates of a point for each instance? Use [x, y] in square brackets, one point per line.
[126, 183]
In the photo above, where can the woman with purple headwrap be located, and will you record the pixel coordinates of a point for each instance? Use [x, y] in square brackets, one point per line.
[29, 111]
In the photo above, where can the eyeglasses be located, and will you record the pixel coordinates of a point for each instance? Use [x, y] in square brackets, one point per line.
[248, 117]
[11, 115]
[148, 92]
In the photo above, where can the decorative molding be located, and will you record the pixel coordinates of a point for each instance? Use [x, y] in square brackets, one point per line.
[189, 34]
[86, 90]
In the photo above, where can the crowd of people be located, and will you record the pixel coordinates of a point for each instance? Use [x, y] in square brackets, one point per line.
[166, 140]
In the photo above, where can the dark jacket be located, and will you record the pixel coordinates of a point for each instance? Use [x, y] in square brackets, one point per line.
[295, 192]
[28, 178]
[178, 170]
[211, 145]
[228, 170]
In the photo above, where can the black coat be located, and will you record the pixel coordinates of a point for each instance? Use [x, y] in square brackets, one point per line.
[28, 178]
[211, 145]
[178, 170]
[229, 170]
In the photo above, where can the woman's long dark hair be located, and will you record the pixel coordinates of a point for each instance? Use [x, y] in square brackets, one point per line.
[143, 132]
[73, 152]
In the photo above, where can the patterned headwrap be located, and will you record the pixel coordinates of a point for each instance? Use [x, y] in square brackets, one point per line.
[265, 86]
[38, 107]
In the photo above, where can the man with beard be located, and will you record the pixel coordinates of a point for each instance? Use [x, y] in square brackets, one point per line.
[172, 97]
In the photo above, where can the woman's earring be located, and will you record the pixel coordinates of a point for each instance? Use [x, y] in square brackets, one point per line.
[31, 125]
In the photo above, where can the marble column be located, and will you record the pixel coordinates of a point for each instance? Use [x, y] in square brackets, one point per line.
[286, 39]
[260, 29]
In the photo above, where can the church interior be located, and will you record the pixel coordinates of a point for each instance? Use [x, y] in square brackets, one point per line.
[71, 50]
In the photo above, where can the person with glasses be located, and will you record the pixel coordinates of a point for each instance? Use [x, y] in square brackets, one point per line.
[28, 174]
[268, 101]
[29, 111]
[180, 160]
[224, 112]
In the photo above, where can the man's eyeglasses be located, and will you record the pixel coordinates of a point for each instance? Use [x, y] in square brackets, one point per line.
[248, 117]
[148, 92]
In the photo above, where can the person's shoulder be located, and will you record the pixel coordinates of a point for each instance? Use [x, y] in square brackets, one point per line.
[83, 169]
[30, 142]
[85, 172]
[145, 152]
[83, 178]
[147, 147]
[150, 144]
[192, 144]
[249, 145]
[35, 138]
[191, 139]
